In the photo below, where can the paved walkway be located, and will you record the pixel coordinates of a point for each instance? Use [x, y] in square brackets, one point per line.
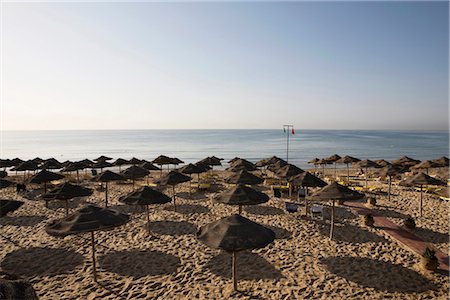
[402, 236]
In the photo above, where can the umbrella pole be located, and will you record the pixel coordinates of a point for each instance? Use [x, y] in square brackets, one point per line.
[335, 174]
[78, 177]
[174, 197]
[420, 200]
[366, 175]
[332, 221]
[240, 209]
[106, 194]
[67, 207]
[389, 191]
[348, 175]
[94, 267]
[233, 268]
[148, 219]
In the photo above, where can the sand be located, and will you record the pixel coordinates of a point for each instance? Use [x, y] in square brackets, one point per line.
[360, 263]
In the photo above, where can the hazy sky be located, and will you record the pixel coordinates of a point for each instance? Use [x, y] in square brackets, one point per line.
[353, 65]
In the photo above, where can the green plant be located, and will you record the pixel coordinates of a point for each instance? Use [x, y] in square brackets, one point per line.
[372, 201]
[429, 260]
[368, 220]
[429, 254]
[409, 223]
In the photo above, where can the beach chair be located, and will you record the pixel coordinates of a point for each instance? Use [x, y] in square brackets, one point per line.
[204, 186]
[291, 207]
[317, 212]
[301, 194]
[94, 172]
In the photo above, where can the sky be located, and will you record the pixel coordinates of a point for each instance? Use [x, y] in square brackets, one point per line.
[316, 65]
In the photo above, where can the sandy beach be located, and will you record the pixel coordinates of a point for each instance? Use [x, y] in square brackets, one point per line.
[359, 263]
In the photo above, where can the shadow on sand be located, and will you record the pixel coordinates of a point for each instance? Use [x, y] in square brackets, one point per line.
[22, 220]
[188, 209]
[351, 234]
[263, 210]
[172, 228]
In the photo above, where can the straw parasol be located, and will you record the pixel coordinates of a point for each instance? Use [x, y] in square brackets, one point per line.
[348, 160]
[367, 163]
[314, 161]
[244, 177]
[406, 161]
[88, 219]
[134, 172]
[145, 196]
[173, 178]
[44, 177]
[162, 160]
[102, 158]
[233, 160]
[101, 164]
[288, 171]
[241, 195]
[28, 165]
[382, 162]
[211, 161]
[135, 161]
[4, 183]
[51, 164]
[233, 234]
[75, 166]
[391, 170]
[421, 179]
[7, 206]
[241, 164]
[335, 191]
[6, 163]
[106, 177]
[67, 191]
[333, 159]
[442, 161]
[121, 162]
[198, 168]
[276, 165]
[426, 164]
[307, 180]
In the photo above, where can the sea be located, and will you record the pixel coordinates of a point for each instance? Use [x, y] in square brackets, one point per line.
[193, 145]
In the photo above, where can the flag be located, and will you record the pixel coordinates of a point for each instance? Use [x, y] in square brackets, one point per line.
[293, 132]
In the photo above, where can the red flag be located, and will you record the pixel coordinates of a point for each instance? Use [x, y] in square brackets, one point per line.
[293, 130]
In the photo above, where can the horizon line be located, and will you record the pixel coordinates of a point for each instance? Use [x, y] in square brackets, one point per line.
[186, 129]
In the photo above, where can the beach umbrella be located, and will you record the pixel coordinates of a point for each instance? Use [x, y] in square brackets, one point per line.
[28, 165]
[102, 158]
[173, 178]
[135, 161]
[244, 177]
[134, 172]
[382, 162]
[87, 219]
[75, 167]
[288, 171]
[121, 162]
[101, 164]
[86, 162]
[421, 179]
[389, 171]
[233, 160]
[442, 161]
[67, 191]
[6, 163]
[5, 183]
[406, 161]
[323, 162]
[145, 196]
[17, 161]
[348, 160]
[38, 160]
[241, 164]
[211, 161]
[335, 191]
[50, 164]
[314, 161]
[162, 160]
[106, 177]
[45, 176]
[194, 169]
[233, 234]
[7, 206]
[241, 195]
[367, 163]
[307, 179]
[426, 164]
[176, 161]
[333, 159]
[276, 165]
[148, 166]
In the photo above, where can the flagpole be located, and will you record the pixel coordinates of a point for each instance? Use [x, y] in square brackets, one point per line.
[287, 129]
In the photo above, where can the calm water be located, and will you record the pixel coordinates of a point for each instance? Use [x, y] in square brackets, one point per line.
[193, 145]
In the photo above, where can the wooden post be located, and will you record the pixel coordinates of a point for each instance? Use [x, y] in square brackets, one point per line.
[106, 194]
[348, 175]
[240, 209]
[45, 192]
[67, 207]
[420, 200]
[78, 177]
[332, 221]
[335, 172]
[148, 219]
[174, 197]
[94, 267]
[233, 268]
[389, 191]
[366, 175]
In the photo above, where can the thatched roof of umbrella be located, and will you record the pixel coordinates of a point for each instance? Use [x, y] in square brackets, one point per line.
[347, 160]
[149, 166]
[28, 165]
[101, 164]
[87, 162]
[406, 161]
[307, 179]
[162, 160]
[135, 161]
[102, 158]
[75, 166]
[121, 162]
[205, 168]
[50, 164]
[391, 170]
[17, 161]
[67, 191]
[7, 206]
[233, 160]
[108, 176]
[235, 233]
[335, 191]
[382, 162]
[241, 195]
[134, 172]
[241, 164]
[426, 164]
[37, 160]
[244, 177]
[145, 196]
[210, 161]
[45, 176]
[6, 163]
[421, 179]
[367, 163]
[288, 170]
[192, 169]
[176, 161]
[442, 161]
[5, 183]
[333, 158]
[314, 161]
[323, 161]
[173, 178]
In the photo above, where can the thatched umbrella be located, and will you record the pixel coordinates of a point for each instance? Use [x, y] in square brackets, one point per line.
[382, 162]
[347, 160]
[148, 166]
[4, 183]
[28, 165]
[135, 161]
[6, 163]
[426, 164]
[367, 163]
[101, 164]
[145, 196]
[241, 164]
[333, 159]
[75, 166]
[233, 234]
[323, 162]
[176, 161]
[406, 161]
[44, 177]
[173, 178]
[244, 177]
[50, 164]
[121, 162]
[391, 170]
[134, 172]
[88, 219]
[211, 161]
[190, 169]
[162, 160]
[66, 192]
[307, 179]
[335, 191]
[287, 172]
[442, 161]
[87, 162]
[7, 206]
[17, 161]
[102, 158]
[233, 160]
[37, 160]
[241, 195]
[274, 166]
[314, 161]
[106, 177]
[421, 179]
